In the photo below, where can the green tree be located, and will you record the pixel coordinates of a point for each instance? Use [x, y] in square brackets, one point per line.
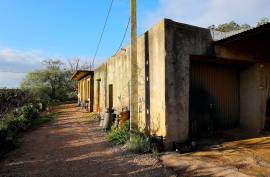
[52, 82]
[54, 76]
[227, 27]
[35, 84]
[231, 26]
[263, 21]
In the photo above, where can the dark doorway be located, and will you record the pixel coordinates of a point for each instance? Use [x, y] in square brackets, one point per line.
[267, 117]
[91, 90]
[110, 96]
[214, 98]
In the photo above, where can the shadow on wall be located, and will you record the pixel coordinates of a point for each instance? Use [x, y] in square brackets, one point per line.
[206, 114]
[144, 83]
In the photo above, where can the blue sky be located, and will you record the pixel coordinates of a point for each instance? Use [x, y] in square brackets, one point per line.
[33, 30]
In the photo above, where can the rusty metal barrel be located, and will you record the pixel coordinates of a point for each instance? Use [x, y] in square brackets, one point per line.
[123, 117]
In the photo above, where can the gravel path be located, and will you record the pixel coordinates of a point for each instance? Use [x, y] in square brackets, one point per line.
[71, 145]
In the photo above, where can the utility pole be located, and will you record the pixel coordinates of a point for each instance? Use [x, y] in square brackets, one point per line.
[133, 68]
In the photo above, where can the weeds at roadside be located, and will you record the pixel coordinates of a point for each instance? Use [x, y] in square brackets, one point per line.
[119, 136]
[18, 122]
[94, 115]
[138, 143]
[40, 121]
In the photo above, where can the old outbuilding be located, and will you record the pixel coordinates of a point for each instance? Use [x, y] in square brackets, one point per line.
[84, 80]
[191, 81]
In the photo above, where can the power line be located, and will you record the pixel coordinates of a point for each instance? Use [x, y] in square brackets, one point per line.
[103, 29]
[120, 46]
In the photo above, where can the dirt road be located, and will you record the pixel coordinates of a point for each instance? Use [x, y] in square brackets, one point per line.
[71, 145]
[240, 158]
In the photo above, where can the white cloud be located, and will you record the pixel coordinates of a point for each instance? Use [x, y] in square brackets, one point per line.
[10, 79]
[19, 61]
[15, 64]
[207, 12]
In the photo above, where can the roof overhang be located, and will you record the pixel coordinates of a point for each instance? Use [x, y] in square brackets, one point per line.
[219, 60]
[80, 74]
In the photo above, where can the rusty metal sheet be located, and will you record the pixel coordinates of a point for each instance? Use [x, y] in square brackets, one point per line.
[214, 97]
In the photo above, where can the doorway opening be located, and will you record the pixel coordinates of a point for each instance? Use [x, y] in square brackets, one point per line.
[110, 96]
[214, 98]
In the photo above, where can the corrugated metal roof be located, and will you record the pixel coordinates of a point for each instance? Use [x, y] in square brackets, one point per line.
[220, 36]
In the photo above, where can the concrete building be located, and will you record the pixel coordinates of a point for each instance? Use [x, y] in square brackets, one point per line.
[190, 81]
[84, 90]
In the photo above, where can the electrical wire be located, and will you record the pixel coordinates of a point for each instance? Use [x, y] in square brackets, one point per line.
[122, 41]
[103, 29]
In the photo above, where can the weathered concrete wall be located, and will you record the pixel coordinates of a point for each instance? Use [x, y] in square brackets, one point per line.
[151, 80]
[233, 53]
[116, 72]
[118, 76]
[83, 88]
[254, 91]
[181, 41]
[265, 86]
[163, 78]
[91, 93]
[100, 75]
[250, 48]
[254, 80]
[141, 50]
[156, 40]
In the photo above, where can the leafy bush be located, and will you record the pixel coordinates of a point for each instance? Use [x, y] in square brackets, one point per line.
[19, 111]
[11, 100]
[120, 135]
[17, 124]
[8, 141]
[3, 135]
[29, 112]
[39, 121]
[139, 143]
[45, 104]
[19, 119]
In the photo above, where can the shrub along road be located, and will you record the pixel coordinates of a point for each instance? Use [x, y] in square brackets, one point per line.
[74, 145]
